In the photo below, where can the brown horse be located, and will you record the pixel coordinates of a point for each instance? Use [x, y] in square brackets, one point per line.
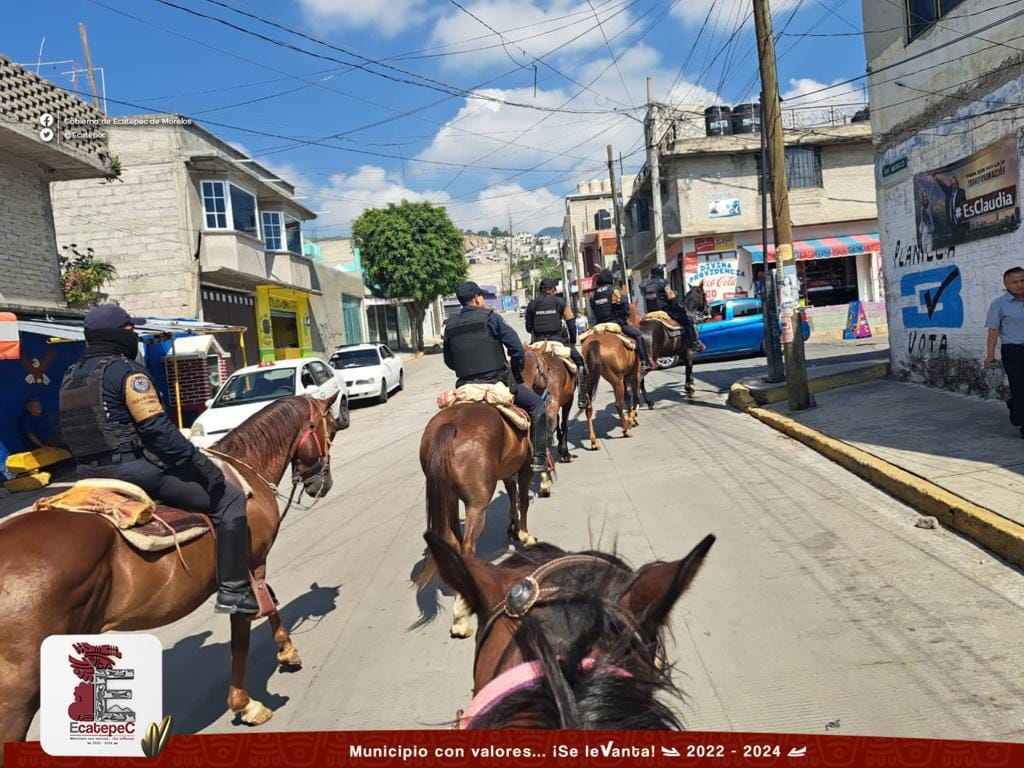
[569, 640]
[663, 344]
[547, 375]
[72, 573]
[465, 450]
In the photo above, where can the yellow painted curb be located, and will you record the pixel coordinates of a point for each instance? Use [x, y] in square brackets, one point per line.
[983, 526]
[776, 393]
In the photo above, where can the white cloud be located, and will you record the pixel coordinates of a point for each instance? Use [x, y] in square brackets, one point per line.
[727, 13]
[534, 27]
[387, 18]
[803, 105]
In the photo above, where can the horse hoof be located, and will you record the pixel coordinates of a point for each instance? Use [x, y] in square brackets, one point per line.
[626, 433]
[461, 630]
[254, 713]
[595, 446]
[545, 489]
[526, 539]
[289, 658]
[650, 406]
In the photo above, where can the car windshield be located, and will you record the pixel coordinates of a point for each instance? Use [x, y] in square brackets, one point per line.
[268, 384]
[355, 358]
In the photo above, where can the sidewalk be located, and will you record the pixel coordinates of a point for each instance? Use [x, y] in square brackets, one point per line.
[963, 444]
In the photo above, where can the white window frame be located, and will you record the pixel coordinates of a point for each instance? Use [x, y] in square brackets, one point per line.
[282, 236]
[230, 214]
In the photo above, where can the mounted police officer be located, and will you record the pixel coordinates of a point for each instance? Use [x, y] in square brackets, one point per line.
[475, 342]
[610, 306]
[116, 427]
[548, 318]
[659, 296]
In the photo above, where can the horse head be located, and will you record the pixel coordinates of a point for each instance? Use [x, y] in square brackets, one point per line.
[311, 460]
[586, 624]
[696, 301]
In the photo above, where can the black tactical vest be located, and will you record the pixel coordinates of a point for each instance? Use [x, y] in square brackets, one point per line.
[86, 424]
[601, 302]
[655, 298]
[547, 316]
[473, 349]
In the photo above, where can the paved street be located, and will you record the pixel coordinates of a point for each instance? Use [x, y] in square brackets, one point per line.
[821, 605]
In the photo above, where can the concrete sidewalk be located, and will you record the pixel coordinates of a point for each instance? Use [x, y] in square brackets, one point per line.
[962, 444]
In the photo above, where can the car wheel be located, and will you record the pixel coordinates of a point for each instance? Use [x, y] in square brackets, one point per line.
[343, 414]
[401, 380]
[383, 396]
[668, 362]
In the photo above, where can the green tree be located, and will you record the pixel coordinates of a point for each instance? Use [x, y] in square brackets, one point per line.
[411, 251]
[82, 275]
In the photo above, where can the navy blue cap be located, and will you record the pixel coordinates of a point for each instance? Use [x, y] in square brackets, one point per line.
[468, 291]
[547, 284]
[109, 317]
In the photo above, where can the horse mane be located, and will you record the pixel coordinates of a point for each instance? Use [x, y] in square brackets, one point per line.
[570, 696]
[695, 299]
[258, 440]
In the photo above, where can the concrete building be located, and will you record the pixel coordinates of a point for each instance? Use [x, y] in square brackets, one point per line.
[197, 230]
[945, 88]
[35, 152]
[711, 214]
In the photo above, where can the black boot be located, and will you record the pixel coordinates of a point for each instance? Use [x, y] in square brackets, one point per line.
[539, 439]
[581, 389]
[235, 593]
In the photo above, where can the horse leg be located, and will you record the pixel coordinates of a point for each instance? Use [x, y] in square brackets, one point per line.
[476, 514]
[563, 431]
[594, 444]
[249, 710]
[690, 389]
[288, 656]
[525, 473]
[647, 397]
[513, 507]
[620, 405]
[19, 691]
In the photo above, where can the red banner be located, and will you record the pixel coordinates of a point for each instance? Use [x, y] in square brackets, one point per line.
[423, 749]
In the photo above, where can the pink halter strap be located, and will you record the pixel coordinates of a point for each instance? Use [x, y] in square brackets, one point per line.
[520, 677]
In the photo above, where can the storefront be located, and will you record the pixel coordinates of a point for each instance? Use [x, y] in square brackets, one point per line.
[237, 308]
[282, 318]
[716, 263]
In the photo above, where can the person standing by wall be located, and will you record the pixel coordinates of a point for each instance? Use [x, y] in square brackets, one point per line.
[1005, 322]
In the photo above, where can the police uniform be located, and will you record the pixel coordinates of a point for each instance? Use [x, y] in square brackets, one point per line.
[116, 427]
[545, 321]
[608, 306]
[475, 342]
[656, 299]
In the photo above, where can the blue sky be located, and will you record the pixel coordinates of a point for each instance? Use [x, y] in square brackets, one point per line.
[491, 108]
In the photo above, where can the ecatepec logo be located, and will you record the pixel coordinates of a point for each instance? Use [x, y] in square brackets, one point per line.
[99, 693]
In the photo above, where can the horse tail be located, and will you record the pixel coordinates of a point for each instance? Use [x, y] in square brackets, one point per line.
[592, 357]
[442, 500]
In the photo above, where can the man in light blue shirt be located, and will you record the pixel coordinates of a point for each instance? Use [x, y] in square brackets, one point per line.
[1005, 322]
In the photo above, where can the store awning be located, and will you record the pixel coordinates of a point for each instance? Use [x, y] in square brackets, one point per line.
[197, 346]
[825, 248]
[71, 331]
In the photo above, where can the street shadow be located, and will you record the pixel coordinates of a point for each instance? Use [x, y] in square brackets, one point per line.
[196, 675]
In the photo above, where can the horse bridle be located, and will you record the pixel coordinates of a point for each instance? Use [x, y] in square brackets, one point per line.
[523, 596]
[321, 466]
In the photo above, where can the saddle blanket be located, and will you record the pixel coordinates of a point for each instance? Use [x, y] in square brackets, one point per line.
[142, 522]
[558, 349]
[612, 328]
[660, 316]
[498, 395]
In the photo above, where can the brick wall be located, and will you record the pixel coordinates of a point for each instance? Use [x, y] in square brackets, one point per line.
[194, 381]
[28, 252]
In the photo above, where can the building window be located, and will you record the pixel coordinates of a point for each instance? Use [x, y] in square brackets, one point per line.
[921, 14]
[641, 215]
[273, 230]
[244, 211]
[293, 234]
[803, 169]
[215, 205]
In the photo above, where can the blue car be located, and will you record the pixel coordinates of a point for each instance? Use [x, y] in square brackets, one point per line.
[736, 327]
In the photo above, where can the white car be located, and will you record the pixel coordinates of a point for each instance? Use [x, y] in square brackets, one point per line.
[370, 370]
[250, 390]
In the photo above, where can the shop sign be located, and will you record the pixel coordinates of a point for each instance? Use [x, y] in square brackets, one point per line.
[282, 305]
[714, 244]
[719, 273]
[690, 263]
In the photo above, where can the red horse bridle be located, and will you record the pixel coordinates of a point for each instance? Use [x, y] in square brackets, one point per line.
[321, 466]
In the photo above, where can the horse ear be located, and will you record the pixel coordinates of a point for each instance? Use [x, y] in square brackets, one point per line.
[659, 585]
[477, 581]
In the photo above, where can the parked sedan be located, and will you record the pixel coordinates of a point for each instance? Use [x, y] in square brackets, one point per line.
[370, 370]
[736, 327]
[250, 390]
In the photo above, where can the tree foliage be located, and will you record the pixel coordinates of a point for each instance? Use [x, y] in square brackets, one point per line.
[82, 275]
[411, 251]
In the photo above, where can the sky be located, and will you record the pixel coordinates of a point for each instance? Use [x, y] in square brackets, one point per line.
[493, 108]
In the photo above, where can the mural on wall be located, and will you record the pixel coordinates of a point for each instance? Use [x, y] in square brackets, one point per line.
[970, 199]
[37, 367]
[722, 276]
[935, 299]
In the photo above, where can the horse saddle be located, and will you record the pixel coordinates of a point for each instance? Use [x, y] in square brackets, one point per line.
[613, 328]
[498, 395]
[557, 348]
[672, 327]
[146, 524]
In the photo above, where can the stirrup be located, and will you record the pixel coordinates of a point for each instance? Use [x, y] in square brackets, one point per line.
[233, 602]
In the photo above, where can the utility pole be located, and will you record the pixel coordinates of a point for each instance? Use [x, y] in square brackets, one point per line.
[511, 283]
[619, 246]
[88, 65]
[770, 299]
[792, 338]
[653, 139]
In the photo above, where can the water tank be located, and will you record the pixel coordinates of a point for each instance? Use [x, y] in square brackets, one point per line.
[602, 220]
[746, 118]
[606, 186]
[862, 116]
[718, 121]
[595, 187]
[582, 187]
